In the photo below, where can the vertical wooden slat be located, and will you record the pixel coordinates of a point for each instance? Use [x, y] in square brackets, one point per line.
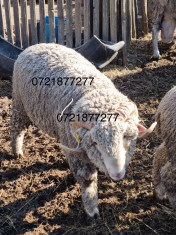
[96, 18]
[51, 20]
[144, 17]
[136, 16]
[86, 20]
[139, 18]
[113, 20]
[16, 22]
[105, 20]
[42, 21]
[69, 31]
[1, 21]
[24, 25]
[133, 22]
[124, 22]
[78, 23]
[33, 22]
[60, 4]
[8, 20]
[128, 24]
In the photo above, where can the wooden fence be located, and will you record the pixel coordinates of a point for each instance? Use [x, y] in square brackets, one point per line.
[24, 22]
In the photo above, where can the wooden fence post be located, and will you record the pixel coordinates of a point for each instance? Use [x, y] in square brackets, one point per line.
[24, 25]
[96, 18]
[60, 4]
[78, 23]
[144, 17]
[133, 17]
[1, 21]
[128, 23]
[51, 21]
[33, 24]
[42, 21]
[17, 22]
[69, 30]
[124, 32]
[86, 20]
[113, 20]
[105, 20]
[139, 18]
[8, 20]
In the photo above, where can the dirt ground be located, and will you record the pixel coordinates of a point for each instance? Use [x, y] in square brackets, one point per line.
[38, 194]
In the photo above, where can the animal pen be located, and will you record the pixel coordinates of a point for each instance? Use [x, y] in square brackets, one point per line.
[72, 22]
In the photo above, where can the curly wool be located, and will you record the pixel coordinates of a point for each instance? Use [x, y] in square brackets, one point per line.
[164, 165]
[52, 60]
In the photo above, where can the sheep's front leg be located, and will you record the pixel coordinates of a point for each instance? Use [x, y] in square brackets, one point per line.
[158, 163]
[155, 33]
[86, 175]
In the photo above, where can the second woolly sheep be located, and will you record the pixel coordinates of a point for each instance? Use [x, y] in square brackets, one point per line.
[164, 166]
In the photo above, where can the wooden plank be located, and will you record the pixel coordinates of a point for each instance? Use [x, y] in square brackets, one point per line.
[133, 21]
[139, 18]
[105, 20]
[144, 17]
[24, 25]
[78, 23]
[69, 30]
[33, 22]
[86, 20]
[124, 33]
[96, 18]
[8, 20]
[16, 22]
[113, 20]
[1, 21]
[51, 20]
[42, 21]
[60, 5]
[128, 25]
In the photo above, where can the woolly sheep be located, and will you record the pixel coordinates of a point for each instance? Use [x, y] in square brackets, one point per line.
[105, 145]
[163, 14]
[164, 166]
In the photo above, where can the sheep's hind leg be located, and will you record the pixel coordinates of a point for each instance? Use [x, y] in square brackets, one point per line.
[19, 123]
[86, 175]
[168, 178]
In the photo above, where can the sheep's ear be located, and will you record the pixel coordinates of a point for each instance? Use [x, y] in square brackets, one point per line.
[72, 150]
[143, 132]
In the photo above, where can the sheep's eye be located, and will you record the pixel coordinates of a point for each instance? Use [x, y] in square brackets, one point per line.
[95, 143]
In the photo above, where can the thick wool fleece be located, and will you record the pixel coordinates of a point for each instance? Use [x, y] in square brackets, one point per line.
[41, 104]
[164, 170]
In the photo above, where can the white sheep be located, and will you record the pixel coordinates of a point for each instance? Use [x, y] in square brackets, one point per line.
[163, 14]
[164, 166]
[107, 145]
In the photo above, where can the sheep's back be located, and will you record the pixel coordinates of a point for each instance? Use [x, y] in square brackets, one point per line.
[42, 103]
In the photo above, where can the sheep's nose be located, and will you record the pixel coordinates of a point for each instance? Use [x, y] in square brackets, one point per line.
[117, 176]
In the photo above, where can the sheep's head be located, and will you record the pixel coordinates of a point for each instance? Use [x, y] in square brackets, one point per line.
[109, 145]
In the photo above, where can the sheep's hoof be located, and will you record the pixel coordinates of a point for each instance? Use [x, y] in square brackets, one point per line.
[156, 57]
[19, 155]
[94, 214]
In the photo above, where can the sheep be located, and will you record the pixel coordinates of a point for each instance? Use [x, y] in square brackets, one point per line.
[164, 165]
[88, 143]
[163, 15]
